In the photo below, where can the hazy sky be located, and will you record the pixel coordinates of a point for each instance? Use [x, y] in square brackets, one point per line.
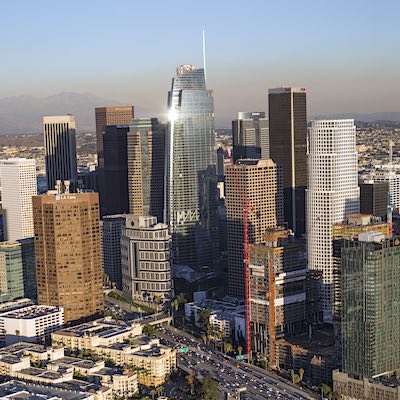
[346, 53]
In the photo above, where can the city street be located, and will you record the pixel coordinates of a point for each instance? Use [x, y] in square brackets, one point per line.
[229, 373]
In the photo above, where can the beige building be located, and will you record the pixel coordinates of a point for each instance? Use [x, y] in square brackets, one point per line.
[53, 368]
[103, 332]
[364, 389]
[121, 115]
[124, 345]
[68, 252]
[258, 183]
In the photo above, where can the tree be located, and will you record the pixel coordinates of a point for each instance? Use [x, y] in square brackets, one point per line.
[159, 389]
[228, 348]
[204, 319]
[153, 393]
[176, 303]
[190, 381]
[149, 330]
[240, 349]
[208, 388]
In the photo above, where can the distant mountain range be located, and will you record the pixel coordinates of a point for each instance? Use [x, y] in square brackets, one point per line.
[23, 114]
[392, 116]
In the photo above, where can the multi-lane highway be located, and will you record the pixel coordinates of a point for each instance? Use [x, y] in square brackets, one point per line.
[231, 375]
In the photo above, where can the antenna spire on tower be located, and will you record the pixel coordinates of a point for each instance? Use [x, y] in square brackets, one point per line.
[204, 55]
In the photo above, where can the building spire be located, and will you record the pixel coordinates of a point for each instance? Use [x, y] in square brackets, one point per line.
[204, 55]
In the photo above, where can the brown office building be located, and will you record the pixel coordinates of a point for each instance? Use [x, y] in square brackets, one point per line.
[68, 254]
[122, 115]
[259, 182]
[146, 141]
[288, 147]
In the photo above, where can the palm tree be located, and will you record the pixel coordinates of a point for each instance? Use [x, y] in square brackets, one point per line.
[153, 393]
[159, 389]
[240, 349]
[176, 303]
[190, 381]
[227, 347]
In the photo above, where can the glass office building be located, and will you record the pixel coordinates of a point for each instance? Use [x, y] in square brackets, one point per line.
[189, 152]
[370, 305]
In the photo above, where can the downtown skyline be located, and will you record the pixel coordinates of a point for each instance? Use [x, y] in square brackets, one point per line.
[342, 53]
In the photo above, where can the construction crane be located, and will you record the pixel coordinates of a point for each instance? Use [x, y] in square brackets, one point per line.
[247, 209]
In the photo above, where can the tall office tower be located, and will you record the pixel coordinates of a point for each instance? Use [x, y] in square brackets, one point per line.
[60, 149]
[332, 193]
[11, 271]
[146, 263]
[278, 277]
[121, 115]
[146, 164]
[18, 185]
[288, 147]
[189, 152]
[68, 252]
[250, 133]
[374, 198]
[349, 229]
[220, 165]
[370, 305]
[258, 181]
[393, 179]
[29, 267]
[114, 190]
[111, 237]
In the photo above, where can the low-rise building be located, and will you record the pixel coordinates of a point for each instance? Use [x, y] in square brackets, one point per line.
[30, 323]
[101, 332]
[227, 315]
[15, 389]
[153, 361]
[123, 383]
[124, 345]
[351, 388]
[49, 366]
[315, 352]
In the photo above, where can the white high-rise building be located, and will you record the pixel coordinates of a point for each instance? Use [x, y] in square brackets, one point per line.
[332, 193]
[145, 259]
[18, 185]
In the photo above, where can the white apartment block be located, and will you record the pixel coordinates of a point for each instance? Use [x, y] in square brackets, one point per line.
[30, 323]
[18, 185]
[332, 193]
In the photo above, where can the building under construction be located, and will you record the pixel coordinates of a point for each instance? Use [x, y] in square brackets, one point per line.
[278, 276]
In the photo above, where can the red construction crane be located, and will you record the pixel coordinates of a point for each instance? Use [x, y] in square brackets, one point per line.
[246, 208]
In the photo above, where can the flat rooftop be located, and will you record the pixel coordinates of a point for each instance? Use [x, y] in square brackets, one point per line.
[18, 390]
[103, 329]
[31, 312]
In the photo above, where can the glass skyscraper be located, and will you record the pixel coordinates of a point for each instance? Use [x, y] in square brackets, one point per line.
[189, 152]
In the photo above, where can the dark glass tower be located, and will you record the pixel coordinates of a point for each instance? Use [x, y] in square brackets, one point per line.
[374, 198]
[189, 152]
[146, 162]
[288, 147]
[114, 193]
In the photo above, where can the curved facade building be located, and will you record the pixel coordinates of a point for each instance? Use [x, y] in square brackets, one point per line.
[332, 193]
[189, 154]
